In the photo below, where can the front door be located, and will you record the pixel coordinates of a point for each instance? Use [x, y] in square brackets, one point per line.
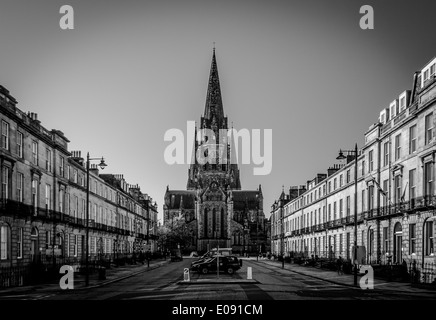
[34, 246]
[398, 243]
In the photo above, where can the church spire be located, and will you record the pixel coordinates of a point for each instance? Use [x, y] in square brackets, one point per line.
[214, 104]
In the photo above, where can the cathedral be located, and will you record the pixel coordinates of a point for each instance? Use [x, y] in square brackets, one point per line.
[215, 209]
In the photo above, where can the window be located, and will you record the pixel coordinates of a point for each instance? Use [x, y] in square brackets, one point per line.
[330, 212]
[20, 183]
[5, 183]
[348, 206]
[363, 200]
[402, 103]
[94, 213]
[370, 161]
[34, 193]
[67, 207]
[385, 240]
[429, 133]
[324, 214]
[429, 249]
[334, 184]
[76, 203]
[75, 176]
[19, 144]
[386, 190]
[35, 152]
[68, 172]
[428, 178]
[4, 242]
[412, 139]
[412, 185]
[341, 208]
[61, 200]
[47, 196]
[363, 167]
[385, 153]
[5, 135]
[363, 237]
[426, 75]
[334, 210]
[20, 243]
[341, 180]
[397, 189]
[412, 238]
[100, 215]
[397, 146]
[48, 160]
[348, 176]
[432, 69]
[330, 186]
[62, 167]
[370, 198]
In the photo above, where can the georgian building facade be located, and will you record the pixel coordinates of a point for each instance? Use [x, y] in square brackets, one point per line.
[43, 199]
[396, 207]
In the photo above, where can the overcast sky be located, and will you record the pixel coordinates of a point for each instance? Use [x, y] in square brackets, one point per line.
[131, 70]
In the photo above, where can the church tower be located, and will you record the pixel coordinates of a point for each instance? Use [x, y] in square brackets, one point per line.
[215, 209]
[219, 169]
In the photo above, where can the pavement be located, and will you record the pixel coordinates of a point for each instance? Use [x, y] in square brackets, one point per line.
[346, 280]
[113, 274]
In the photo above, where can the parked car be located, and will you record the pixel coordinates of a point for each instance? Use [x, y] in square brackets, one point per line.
[228, 264]
[212, 253]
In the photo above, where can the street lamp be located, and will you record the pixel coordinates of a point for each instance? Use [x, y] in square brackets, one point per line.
[282, 242]
[341, 157]
[102, 165]
[147, 199]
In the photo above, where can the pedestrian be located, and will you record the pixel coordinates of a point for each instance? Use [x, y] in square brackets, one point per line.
[339, 264]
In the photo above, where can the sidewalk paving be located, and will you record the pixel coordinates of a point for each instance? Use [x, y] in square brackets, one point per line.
[113, 274]
[344, 279]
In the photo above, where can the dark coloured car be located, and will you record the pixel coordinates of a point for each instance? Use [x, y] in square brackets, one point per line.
[228, 264]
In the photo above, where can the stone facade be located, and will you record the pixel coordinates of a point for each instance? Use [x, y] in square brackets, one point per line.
[43, 199]
[396, 205]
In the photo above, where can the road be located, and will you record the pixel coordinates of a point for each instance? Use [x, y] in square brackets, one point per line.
[274, 283]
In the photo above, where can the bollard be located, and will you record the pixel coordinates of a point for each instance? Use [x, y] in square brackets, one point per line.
[186, 275]
[249, 273]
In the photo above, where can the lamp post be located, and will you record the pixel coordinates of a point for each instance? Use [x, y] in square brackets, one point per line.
[341, 157]
[147, 199]
[102, 165]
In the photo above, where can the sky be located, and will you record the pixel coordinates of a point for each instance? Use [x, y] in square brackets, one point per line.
[131, 70]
